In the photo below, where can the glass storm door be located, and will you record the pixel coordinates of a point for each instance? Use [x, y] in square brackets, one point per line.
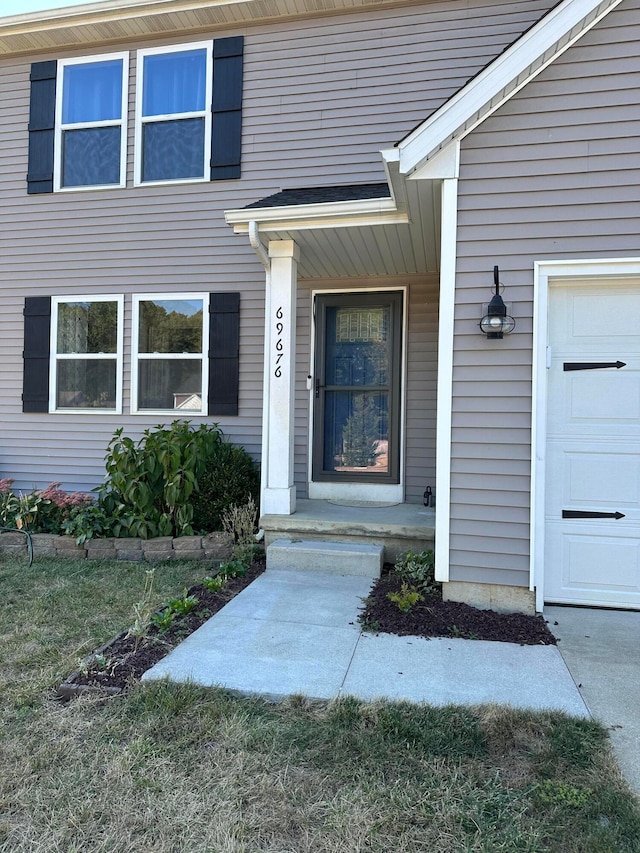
[357, 387]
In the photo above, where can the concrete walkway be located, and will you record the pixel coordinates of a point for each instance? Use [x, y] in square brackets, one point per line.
[602, 651]
[297, 633]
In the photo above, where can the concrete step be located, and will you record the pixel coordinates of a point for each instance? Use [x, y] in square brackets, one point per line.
[337, 558]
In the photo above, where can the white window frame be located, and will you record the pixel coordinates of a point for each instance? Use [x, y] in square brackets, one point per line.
[136, 356]
[55, 357]
[141, 120]
[122, 124]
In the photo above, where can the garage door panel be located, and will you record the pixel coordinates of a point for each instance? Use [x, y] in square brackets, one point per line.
[581, 320]
[595, 399]
[593, 477]
[593, 445]
[596, 568]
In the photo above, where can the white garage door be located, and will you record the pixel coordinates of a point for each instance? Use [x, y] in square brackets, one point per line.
[592, 542]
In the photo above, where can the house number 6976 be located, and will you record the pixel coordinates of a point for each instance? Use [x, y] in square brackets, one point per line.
[279, 346]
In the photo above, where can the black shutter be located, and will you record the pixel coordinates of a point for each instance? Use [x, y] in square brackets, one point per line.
[42, 112]
[226, 106]
[224, 348]
[37, 325]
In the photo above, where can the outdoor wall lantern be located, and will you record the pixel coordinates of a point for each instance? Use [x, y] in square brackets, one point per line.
[496, 323]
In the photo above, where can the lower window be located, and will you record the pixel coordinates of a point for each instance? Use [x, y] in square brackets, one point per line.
[86, 338]
[168, 353]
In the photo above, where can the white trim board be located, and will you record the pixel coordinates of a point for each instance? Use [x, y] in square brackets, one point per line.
[544, 272]
[448, 247]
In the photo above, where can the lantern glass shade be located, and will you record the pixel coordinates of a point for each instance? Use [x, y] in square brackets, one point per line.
[496, 325]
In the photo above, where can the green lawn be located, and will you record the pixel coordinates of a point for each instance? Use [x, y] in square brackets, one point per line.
[169, 769]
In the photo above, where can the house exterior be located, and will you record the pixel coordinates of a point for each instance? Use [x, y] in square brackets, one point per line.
[285, 218]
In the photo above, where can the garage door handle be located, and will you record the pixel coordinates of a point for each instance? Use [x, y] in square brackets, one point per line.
[572, 513]
[592, 365]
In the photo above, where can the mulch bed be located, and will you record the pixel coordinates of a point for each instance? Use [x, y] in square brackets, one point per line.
[434, 617]
[123, 665]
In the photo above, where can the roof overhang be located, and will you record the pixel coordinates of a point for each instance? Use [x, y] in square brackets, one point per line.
[305, 217]
[397, 235]
[497, 83]
[112, 21]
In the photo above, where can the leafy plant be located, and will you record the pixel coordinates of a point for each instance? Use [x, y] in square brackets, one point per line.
[182, 604]
[175, 607]
[149, 484]
[88, 522]
[418, 570]
[216, 583]
[406, 598]
[163, 619]
[230, 478]
[234, 568]
[41, 510]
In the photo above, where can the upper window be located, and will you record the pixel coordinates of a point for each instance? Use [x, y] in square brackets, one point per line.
[91, 109]
[86, 340]
[169, 370]
[173, 114]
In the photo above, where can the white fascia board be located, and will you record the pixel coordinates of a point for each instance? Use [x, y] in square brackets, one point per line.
[505, 76]
[340, 214]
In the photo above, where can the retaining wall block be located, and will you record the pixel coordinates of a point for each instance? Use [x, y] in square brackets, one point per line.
[162, 543]
[132, 555]
[154, 556]
[187, 543]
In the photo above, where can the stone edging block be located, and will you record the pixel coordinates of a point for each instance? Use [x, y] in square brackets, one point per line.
[214, 546]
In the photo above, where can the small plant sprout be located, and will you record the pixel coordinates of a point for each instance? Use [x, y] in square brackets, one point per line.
[142, 611]
[183, 604]
[215, 584]
[406, 598]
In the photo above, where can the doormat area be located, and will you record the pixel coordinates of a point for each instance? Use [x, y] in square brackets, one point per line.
[373, 504]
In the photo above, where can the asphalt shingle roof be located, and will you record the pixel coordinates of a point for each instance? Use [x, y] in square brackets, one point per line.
[320, 195]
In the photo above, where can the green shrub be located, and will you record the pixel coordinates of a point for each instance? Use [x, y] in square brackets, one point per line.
[150, 483]
[417, 570]
[230, 478]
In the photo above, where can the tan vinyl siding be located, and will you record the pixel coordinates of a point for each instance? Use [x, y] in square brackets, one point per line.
[321, 97]
[554, 174]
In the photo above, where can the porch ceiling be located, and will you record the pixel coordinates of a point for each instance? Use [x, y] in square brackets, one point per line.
[405, 241]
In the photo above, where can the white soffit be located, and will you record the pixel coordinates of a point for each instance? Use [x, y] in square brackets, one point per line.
[355, 238]
[500, 80]
[118, 20]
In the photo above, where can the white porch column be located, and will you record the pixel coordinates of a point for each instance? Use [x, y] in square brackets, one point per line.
[279, 492]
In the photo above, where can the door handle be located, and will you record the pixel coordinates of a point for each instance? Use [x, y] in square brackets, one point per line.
[317, 387]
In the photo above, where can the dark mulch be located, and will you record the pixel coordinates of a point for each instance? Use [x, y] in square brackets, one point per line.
[434, 617]
[125, 665]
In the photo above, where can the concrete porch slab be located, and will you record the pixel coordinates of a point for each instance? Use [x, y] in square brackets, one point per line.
[399, 528]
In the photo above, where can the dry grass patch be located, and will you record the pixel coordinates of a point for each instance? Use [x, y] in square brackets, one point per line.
[166, 768]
